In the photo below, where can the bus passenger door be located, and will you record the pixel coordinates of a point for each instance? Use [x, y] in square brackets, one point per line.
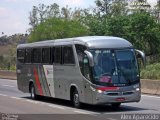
[87, 92]
[87, 74]
[48, 69]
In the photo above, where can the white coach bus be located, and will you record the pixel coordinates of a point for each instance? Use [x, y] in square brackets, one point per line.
[91, 69]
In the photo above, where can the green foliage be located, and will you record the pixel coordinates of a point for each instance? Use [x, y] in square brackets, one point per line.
[144, 32]
[140, 29]
[118, 26]
[151, 72]
[55, 28]
[7, 63]
[111, 18]
[13, 68]
[112, 7]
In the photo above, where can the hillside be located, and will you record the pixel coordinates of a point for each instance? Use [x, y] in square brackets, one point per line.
[9, 43]
[8, 46]
[5, 49]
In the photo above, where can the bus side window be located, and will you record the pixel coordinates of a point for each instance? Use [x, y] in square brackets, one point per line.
[68, 56]
[28, 56]
[36, 56]
[46, 55]
[57, 55]
[20, 55]
[52, 55]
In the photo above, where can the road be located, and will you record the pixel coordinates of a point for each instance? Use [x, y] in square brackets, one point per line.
[12, 101]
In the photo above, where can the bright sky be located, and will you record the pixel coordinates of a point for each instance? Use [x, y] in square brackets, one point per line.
[14, 13]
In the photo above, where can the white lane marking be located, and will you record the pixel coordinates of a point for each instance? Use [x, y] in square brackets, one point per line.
[3, 95]
[31, 101]
[151, 96]
[16, 98]
[35, 102]
[8, 86]
[111, 119]
[8, 80]
[81, 112]
[56, 106]
[85, 112]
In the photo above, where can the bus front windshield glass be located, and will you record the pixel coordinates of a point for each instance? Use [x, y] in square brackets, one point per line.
[115, 67]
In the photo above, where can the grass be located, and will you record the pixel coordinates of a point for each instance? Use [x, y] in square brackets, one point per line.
[151, 71]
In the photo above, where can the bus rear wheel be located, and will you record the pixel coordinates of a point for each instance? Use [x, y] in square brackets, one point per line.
[75, 99]
[33, 92]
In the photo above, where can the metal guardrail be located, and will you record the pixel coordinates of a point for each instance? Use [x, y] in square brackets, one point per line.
[150, 86]
[8, 74]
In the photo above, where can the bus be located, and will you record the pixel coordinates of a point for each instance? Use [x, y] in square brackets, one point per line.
[92, 69]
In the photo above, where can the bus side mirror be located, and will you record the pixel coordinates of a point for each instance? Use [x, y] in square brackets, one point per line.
[142, 56]
[90, 58]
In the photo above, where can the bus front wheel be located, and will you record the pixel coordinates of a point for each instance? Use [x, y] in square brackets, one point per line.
[116, 105]
[75, 99]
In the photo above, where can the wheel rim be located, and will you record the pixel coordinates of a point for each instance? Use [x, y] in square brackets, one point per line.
[76, 99]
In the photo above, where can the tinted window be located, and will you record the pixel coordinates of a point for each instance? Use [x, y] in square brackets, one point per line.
[20, 55]
[52, 54]
[36, 56]
[80, 53]
[57, 55]
[68, 55]
[46, 55]
[28, 56]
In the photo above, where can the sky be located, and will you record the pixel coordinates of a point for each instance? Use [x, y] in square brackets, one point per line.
[14, 13]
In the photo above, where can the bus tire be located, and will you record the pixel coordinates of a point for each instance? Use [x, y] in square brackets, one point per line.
[75, 99]
[33, 92]
[116, 105]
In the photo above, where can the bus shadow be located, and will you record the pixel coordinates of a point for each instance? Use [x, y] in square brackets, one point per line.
[93, 108]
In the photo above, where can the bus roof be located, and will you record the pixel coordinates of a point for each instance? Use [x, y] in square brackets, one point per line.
[88, 41]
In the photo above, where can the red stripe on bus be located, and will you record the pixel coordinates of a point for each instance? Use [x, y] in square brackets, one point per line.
[38, 82]
[107, 88]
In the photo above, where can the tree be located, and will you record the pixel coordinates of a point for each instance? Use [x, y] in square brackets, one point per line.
[118, 26]
[119, 8]
[38, 15]
[140, 29]
[33, 17]
[138, 6]
[66, 12]
[55, 28]
[112, 7]
[104, 6]
[145, 32]
[53, 11]
[156, 11]
[111, 18]
[94, 22]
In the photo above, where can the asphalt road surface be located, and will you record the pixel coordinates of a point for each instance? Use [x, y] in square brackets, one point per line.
[15, 105]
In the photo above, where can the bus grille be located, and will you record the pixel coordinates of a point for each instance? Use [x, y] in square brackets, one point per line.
[119, 93]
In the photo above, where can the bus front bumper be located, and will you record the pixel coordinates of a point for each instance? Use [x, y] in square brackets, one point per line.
[116, 97]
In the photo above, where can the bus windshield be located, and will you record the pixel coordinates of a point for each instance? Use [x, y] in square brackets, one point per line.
[115, 67]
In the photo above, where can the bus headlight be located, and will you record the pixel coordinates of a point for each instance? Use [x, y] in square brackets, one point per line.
[99, 91]
[137, 89]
